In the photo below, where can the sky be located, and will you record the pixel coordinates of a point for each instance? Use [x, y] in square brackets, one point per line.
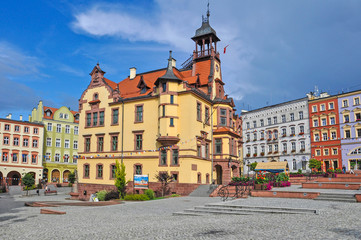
[277, 50]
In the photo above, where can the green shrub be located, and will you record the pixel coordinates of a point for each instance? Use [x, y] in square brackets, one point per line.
[101, 195]
[136, 197]
[175, 195]
[111, 195]
[70, 184]
[149, 193]
[58, 185]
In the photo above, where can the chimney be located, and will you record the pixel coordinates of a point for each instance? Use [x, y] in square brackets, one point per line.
[29, 118]
[133, 73]
[21, 117]
[174, 62]
[9, 116]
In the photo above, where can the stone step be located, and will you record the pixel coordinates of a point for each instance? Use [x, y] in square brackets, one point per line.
[50, 211]
[297, 210]
[187, 214]
[336, 199]
[248, 211]
[216, 211]
[203, 190]
[334, 195]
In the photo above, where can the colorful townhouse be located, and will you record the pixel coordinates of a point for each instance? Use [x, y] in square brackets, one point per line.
[61, 133]
[278, 133]
[325, 130]
[171, 120]
[21, 148]
[349, 111]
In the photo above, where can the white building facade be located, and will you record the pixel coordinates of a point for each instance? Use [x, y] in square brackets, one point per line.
[278, 133]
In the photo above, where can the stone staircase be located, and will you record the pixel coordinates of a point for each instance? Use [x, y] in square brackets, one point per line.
[336, 197]
[214, 209]
[203, 190]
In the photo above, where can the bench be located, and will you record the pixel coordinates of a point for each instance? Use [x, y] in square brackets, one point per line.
[50, 192]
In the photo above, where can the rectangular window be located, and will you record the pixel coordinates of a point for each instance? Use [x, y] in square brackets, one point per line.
[75, 144]
[318, 152]
[300, 114]
[323, 122]
[171, 99]
[292, 116]
[347, 118]
[101, 118]
[347, 134]
[88, 119]
[17, 129]
[57, 157]
[115, 116]
[262, 122]
[283, 118]
[139, 114]
[284, 132]
[325, 152]
[66, 158]
[76, 130]
[67, 129]
[164, 87]
[198, 151]
[6, 140]
[262, 135]
[357, 101]
[171, 122]
[358, 116]
[163, 157]
[332, 120]
[269, 148]
[36, 130]
[303, 145]
[7, 127]
[218, 145]
[16, 141]
[207, 150]
[223, 117]
[345, 103]
[206, 116]
[26, 129]
[302, 129]
[358, 131]
[275, 120]
[58, 128]
[284, 147]
[163, 110]
[334, 151]
[15, 157]
[114, 143]
[100, 171]
[5, 157]
[293, 130]
[48, 142]
[294, 164]
[315, 123]
[333, 135]
[113, 170]
[100, 144]
[254, 124]
[25, 158]
[35, 143]
[276, 147]
[199, 112]
[47, 156]
[314, 108]
[324, 136]
[50, 127]
[138, 169]
[331, 106]
[87, 144]
[57, 142]
[66, 143]
[86, 170]
[269, 121]
[175, 157]
[293, 146]
[323, 108]
[95, 119]
[317, 137]
[247, 125]
[139, 142]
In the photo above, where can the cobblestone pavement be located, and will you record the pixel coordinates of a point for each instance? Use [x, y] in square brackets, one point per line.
[154, 220]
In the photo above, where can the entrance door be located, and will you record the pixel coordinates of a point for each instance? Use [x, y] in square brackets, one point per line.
[327, 165]
[219, 174]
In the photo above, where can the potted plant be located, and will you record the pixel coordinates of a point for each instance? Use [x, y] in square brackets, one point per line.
[261, 179]
[254, 154]
[262, 153]
[248, 155]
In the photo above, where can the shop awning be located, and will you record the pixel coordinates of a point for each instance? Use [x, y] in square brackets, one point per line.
[273, 167]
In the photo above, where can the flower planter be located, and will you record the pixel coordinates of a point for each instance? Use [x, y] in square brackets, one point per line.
[259, 186]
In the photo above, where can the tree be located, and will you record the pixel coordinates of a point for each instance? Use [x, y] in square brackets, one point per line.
[71, 177]
[120, 181]
[28, 181]
[313, 163]
[164, 178]
[253, 166]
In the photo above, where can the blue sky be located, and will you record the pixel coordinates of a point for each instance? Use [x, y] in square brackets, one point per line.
[278, 50]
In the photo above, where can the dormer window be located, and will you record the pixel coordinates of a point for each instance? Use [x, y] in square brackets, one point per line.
[60, 115]
[66, 116]
[143, 90]
[48, 113]
[76, 117]
[96, 96]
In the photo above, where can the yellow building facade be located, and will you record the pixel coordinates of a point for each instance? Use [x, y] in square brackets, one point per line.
[168, 120]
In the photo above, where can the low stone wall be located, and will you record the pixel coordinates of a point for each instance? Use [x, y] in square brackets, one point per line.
[358, 197]
[337, 179]
[330, 185]
[184, 189]
[278, 194]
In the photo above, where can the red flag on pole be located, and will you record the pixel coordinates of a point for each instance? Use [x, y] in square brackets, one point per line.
[224, 50]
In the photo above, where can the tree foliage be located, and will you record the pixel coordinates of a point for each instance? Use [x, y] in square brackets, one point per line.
[28, 181]
[120, 181]
[313, 163]
[71, 177]
[164, 178]
[253, 166]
